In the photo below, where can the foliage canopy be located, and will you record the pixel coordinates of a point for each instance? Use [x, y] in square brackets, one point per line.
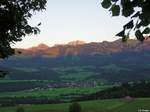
[137, 10]
[14, 16]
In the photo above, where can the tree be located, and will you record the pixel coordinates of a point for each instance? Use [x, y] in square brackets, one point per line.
[20, 109]
[14, 16]
[75, 107]
[2, 74]
[137, 10]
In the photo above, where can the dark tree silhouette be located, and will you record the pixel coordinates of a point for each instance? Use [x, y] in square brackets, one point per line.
[137, 10]
[3, 73]
[75, 107]
[20, 109]
[14, 16]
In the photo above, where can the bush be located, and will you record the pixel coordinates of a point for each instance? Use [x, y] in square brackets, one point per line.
[20, 109]
[75, 107]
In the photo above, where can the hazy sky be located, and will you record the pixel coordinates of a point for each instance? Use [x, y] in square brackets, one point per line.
[68, 20]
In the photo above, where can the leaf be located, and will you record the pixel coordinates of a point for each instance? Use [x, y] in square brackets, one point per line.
[127, 11]
[139, 35]
[129, 25]
[115, 10]
[145, 22]
[125, 38]
[127, 8]
[146, 31]
[106, 4]
[121, 34]
[39, 24]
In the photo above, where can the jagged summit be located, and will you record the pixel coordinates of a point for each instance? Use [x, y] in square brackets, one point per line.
[42, 46]
[82, 48]
[77, 42]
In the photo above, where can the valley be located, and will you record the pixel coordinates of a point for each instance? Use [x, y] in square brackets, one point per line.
[76, 73]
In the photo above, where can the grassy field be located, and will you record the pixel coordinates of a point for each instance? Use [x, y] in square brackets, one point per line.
[55, 93]
[113, 105]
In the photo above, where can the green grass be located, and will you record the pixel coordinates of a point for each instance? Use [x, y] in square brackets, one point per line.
[113, 105]
[55, 93]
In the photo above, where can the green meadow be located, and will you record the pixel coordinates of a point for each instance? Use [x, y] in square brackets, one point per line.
[111, 105]
[54, 93]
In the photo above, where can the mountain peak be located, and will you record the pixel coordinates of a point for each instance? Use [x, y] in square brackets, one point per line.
[42, 46]
[80, 48]
[77, 42]
[39, 47]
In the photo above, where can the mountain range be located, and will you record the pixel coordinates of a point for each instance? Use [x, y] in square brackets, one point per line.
[75, 48]
[82, 63]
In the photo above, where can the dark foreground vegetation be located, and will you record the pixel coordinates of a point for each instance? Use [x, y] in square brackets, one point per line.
[134, 90]
[13, 101]
[127, 91]
[112, 105]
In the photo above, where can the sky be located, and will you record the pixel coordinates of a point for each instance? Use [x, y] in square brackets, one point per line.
[68, 20]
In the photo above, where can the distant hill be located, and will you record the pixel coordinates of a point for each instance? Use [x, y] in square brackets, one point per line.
[82, 48]
[85, 64]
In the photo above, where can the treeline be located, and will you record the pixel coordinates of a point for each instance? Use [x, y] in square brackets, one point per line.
[20, 85]
[135, 90]
[12, 101]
